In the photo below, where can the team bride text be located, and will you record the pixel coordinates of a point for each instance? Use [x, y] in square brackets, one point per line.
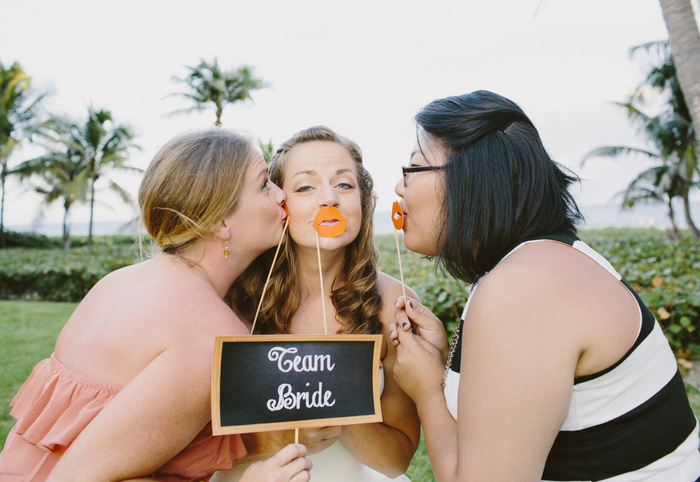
[287, 398]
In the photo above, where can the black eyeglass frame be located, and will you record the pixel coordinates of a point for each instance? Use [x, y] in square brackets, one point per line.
[411, 169]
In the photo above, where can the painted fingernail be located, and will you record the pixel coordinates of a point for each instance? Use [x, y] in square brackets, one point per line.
[404, 324]
[410, 304]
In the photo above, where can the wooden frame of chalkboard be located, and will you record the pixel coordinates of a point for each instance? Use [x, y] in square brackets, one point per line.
[256, 381]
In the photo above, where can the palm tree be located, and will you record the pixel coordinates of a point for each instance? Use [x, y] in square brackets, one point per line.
[685, 45]
[209, 85]
[267, 149]
[18, 115]
[62, 176]
[656, 184]
[103, 146]
[670, 132]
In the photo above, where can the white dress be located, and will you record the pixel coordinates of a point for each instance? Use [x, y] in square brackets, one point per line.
[335, 464]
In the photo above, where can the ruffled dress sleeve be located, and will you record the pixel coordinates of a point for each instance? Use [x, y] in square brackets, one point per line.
[55, 404]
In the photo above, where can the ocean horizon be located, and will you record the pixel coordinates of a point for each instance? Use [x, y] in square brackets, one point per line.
[596, 216]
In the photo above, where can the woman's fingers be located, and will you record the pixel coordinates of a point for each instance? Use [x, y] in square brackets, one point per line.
[289, 464]
[419, 365]
[394, 333]
[287, 454]
[413, 311]
[298, 468]
[304, 476]
[412, 315]
[319, 438]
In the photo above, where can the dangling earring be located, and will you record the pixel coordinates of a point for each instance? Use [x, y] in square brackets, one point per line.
[226, 251]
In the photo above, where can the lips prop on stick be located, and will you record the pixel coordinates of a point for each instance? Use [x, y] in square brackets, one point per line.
[397, 218]
[328, 223]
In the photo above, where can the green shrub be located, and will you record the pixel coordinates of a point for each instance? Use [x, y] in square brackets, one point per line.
[662, 271]
[57, 274]
[443, 294]
[14, 239]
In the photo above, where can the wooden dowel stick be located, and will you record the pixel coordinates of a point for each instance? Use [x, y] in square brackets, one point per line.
[296, 435]
[269, 274]
[320, 275]
[398, 253]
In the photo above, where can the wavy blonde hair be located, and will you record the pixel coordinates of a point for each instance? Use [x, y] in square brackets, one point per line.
[356, 299]
[192, 183]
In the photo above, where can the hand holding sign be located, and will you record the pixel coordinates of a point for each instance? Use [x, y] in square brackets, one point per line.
[316, 439]
[289, 464]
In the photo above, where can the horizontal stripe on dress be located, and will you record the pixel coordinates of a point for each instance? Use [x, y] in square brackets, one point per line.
[641, 436]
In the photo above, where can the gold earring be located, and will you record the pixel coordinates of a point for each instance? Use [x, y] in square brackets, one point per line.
[226, 251]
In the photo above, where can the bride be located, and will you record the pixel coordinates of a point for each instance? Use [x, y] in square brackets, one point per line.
[319, 169]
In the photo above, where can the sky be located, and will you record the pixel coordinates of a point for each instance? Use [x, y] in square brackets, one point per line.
[362, 67]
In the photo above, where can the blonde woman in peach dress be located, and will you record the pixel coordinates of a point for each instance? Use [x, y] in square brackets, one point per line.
[125, 394]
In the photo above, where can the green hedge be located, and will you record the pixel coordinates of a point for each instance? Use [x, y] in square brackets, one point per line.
[664, 273]
[57, 274]
[15, 239]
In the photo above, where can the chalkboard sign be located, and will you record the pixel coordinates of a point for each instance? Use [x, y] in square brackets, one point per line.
[275, 382]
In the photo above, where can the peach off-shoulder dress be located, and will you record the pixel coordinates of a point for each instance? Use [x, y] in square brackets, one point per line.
[55, 404]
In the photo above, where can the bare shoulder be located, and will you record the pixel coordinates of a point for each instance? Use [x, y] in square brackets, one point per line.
[202, 314]
[533, 272]
[390, 290]
[542, 285]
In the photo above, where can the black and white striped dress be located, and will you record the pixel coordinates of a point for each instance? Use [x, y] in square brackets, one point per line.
[629, 422]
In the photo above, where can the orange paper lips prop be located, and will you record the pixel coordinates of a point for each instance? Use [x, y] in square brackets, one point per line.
[330, 223]
[397, 215]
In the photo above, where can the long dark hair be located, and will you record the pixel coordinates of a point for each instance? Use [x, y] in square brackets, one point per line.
[501, 186]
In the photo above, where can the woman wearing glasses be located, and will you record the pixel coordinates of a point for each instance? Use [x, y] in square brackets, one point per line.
[319, 169]
[557, 371]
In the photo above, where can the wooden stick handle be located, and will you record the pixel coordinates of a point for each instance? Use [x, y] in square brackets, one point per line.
[398, 253]
[269, 274]
[320, 275]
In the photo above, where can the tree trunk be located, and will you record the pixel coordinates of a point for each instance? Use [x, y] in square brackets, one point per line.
[685, 48]
[673, 233]
[66, 231]
[219, 113]
[688, 219]
[92, 208]
[3, 175]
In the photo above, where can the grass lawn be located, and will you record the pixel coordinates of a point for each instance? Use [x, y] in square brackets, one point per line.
[28, 333]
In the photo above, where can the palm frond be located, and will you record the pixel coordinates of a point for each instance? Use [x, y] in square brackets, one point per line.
[617, 152]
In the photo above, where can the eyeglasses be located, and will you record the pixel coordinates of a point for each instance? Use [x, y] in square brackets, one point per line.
[407, 171]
